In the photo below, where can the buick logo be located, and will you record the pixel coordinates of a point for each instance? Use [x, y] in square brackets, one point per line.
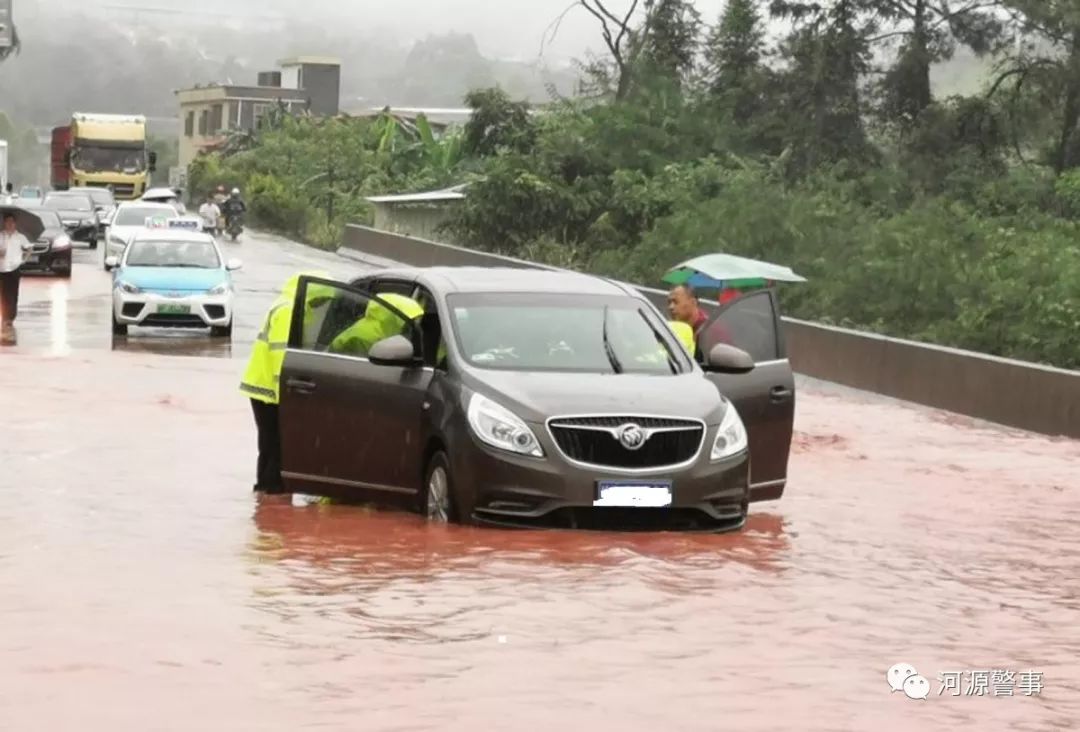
[631, 436]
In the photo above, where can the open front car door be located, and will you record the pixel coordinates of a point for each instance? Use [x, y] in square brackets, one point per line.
[765, 396]
[351, 412]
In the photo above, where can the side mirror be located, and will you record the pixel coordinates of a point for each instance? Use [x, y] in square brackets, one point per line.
[393, 351]
[152, 158]
[67, 157]
[233, 264]
[111, 262]
[726, 359]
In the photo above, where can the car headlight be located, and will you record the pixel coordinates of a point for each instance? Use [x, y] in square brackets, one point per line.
[730, 437]
[219, 290]
[128, 287]
[499, 427]
[61, 242]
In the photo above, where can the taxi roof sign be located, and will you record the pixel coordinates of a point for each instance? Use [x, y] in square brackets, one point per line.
[157, 222]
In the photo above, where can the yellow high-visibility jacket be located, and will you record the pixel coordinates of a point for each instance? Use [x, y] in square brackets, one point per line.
[263, 373]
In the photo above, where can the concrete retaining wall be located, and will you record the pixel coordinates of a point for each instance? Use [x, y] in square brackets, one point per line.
[1013, 393]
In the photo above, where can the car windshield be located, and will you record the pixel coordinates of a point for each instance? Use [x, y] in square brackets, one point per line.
[151, 253]
[137, 215]
[540, 332]
[30, 193]
[101, 157]
[49, 219]
[69, 203]
[100, 196]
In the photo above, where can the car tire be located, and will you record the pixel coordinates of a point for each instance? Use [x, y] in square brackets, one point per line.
[118, 328]
[93, 243]
[221, 331]
[437, 502]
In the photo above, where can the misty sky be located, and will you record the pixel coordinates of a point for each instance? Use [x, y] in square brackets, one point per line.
[503, 28]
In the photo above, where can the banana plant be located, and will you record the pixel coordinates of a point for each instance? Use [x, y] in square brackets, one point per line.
[442, 153]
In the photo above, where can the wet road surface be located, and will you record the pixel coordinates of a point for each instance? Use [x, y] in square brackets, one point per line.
[145, 588]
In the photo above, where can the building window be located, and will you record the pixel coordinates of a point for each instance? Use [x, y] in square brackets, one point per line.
[204, 122]
[189, 124]
[259, 110]
[216, 121]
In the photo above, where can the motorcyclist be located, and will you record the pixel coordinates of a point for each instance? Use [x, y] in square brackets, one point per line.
[233, 208]
[220, 196]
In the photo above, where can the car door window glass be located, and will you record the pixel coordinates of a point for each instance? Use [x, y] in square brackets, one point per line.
[345, 322]
[396, 287]
[748, 323]
[431, 330]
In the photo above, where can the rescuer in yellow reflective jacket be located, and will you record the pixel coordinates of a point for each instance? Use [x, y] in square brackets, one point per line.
[378, 323]
[685, 334]
[263, 372]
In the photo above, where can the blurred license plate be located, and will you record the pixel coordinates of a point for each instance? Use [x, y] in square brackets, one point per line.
[174, 309]
[33, 259]
[656, 494]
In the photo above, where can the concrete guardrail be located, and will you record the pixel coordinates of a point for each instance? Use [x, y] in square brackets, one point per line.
[1013, 393]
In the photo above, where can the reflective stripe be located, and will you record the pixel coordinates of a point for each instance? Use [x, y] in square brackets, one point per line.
[278, 346]
[264, 334]
[252, 389]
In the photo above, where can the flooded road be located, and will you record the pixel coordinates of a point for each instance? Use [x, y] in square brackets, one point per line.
[145, 588]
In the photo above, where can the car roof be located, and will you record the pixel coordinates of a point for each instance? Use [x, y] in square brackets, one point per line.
[160, 192]
[479, 280]
[146, 204]
[173, 235]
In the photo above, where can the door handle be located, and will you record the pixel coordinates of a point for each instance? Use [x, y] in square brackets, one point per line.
[300, 385]
[780, 394]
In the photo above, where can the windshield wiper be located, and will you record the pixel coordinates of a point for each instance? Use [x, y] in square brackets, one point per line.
[612, 358]
[660, 339]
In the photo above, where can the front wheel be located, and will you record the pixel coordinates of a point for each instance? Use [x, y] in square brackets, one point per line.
[221, 331]
[118, 328]
[438, 504]
[93, 243]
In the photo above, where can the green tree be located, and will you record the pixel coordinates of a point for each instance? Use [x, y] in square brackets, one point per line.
[929, 32]
[828, 54]
[735, 48]
[1048, 64]
[497, 123]
[670, 40]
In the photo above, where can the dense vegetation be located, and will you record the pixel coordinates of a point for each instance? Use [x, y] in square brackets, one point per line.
[951, 220]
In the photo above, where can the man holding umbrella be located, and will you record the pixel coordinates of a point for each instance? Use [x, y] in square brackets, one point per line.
[13, 248]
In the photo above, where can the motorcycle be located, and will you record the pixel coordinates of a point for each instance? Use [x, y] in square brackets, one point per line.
[233, 225]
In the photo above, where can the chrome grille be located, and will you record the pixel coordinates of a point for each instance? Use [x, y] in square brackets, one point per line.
[595, 441]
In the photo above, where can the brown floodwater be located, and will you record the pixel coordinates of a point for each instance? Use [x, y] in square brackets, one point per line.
[145, 588]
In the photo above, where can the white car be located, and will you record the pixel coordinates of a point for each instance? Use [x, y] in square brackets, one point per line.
[165, 195]
[172, 278]
[129, 219]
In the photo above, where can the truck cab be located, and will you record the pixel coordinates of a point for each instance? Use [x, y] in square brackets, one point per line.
[103, 150]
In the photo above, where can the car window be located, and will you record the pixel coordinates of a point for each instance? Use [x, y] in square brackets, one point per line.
[50, 219]
[345, 322]
[100, 196]
[431, 330]
[396, 287]
[563, 333]
[154, 253]
[748, 323]
[69, 203]
[137, 215]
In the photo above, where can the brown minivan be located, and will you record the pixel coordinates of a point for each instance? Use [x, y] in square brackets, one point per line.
[532, 398]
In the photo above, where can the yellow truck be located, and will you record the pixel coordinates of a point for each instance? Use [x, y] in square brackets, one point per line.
[103, 150]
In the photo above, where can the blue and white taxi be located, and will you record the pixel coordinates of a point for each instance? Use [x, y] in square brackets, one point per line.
[171, 276]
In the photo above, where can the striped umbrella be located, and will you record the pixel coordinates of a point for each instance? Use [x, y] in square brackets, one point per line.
[722, 271]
